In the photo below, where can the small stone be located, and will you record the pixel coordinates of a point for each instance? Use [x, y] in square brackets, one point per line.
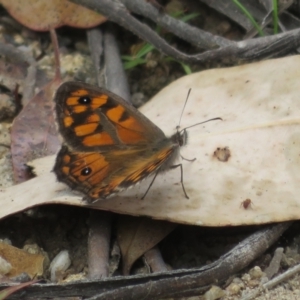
[264, 279]
[233, 288]
[246, 277]
[239, 281]
[6, 241]
[253, 283]
[138, 99]
[32, 248]
[75, 277]
[223, 27]
[215, 292]
[256, 272]
[59, 265]
[5, 266]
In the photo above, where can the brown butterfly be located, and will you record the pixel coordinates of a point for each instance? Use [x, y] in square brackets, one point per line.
[108, 145]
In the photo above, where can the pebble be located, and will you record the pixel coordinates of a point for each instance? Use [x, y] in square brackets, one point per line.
[59, 265]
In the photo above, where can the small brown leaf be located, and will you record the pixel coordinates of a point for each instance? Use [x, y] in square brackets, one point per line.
[43, 14]
[21, 261]
[33, 133]
[138, 235]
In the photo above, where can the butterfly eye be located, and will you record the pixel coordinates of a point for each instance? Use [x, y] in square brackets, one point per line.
[84, 100]
[86, 171]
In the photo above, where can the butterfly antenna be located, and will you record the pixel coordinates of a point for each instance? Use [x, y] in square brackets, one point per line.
[187, 97]
[213, 119]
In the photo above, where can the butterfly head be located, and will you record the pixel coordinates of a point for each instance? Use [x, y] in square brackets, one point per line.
[180, 137]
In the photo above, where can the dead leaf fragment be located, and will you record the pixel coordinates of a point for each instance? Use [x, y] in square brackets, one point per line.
[21, 261]
[43, 14]
[138, 235]
[33, 133]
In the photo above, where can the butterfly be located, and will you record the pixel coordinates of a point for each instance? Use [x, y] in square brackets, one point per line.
[108, 144]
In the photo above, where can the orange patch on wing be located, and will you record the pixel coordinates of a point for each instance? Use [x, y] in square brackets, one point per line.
[128, 136]
[141, 169]
[68, 121]
[98, 139]
[132, 123]
[79, 109]
[72, 101]
[94, 118]
[66, 159]
[104, 191]
[129, 130]
[85, 129]
[164, 154]
[114, 114]
[99, 168]
[98, 101]
[66, 170]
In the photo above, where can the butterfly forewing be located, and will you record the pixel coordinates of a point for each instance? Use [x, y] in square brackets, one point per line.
[92, 119]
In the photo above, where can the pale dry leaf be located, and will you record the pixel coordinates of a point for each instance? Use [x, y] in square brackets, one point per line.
[252, 154]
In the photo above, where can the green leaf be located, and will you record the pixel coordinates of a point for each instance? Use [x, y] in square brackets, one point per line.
[275, 16]
[134, 63]
[247, 13]
[144, 50]
[189, 17]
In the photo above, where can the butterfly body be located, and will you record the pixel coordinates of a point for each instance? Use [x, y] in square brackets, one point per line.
[108, 144]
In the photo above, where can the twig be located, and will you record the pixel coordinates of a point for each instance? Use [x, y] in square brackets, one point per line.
[274, 266]
[167, 284]
[249, 50]
[193, 35]
[95, 41]
[99, 244]
[116, 80]
[56, 53]
[283, 6]
[270, 284]
[99, 239]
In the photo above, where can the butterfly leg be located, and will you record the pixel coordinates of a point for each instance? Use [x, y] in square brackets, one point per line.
[181, 179]
[149, 186]
[187, 158]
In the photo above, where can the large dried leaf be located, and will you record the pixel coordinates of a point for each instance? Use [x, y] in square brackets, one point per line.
[138, 235]
[252, 154]
[43, 14]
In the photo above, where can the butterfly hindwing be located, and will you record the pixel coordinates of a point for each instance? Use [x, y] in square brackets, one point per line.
[100, 175]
